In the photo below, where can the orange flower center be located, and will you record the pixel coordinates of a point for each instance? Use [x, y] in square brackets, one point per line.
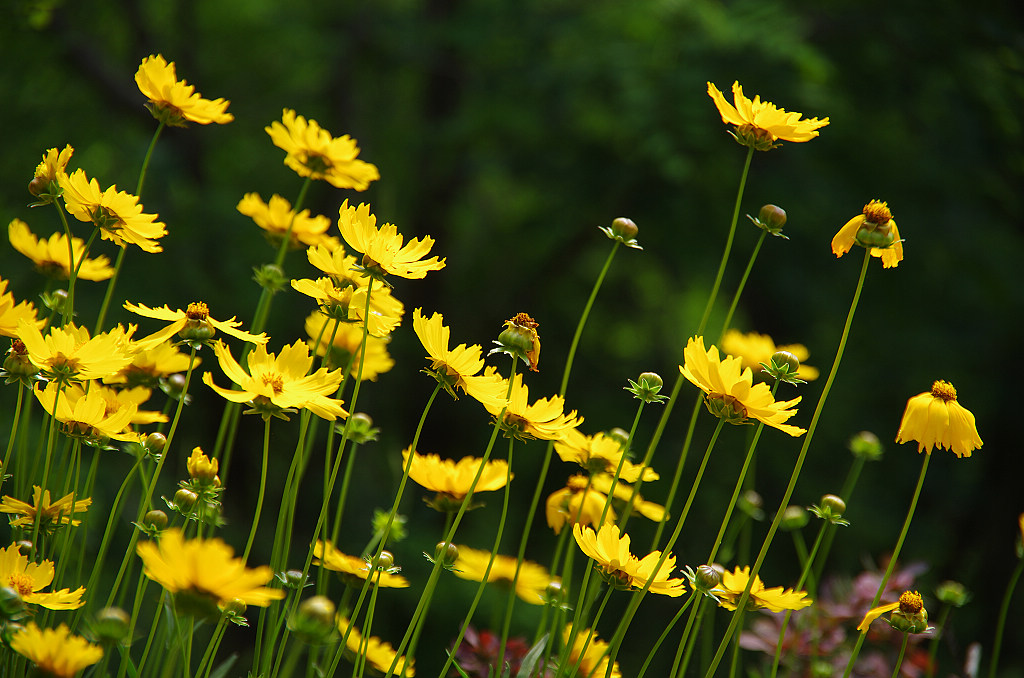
[943, 390]
[911, 602]
[20, 582]
[275, 381]
[877, 212]
[197, 310]
[524, 320]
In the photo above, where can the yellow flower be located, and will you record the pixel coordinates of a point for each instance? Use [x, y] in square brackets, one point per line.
[602, 482]
[45, 184]
[205, 568]
[343, 270]
[544, 419]
[774, 599]
[910, 603]
[150, 365]
[174, 101]
[348, 340]
[383, 249]
[530, 586]
[379, 654]
[51, 515]
[730, 389]
[117, 214]
[278, 383]
[353, 568]
[601, 453]
[574, 504]
[194, 323]
[203, 469]
[51, 256]
[11, 314]
[276, 217]
[457, 369]
[455, 478]
[874, 228]
[85, 415]
[55, 652]
[28, 579]
[611, 554]
[69, 354]
[594, 663]
[760, 123]
[936, 419]
[754, 349]
[313, 152]
[348, 304]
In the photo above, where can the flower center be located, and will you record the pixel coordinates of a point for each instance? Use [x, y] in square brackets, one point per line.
[197, 310]
[275, 381]
[20, 582]
[943, 390]
[911, 602]
[877, 212]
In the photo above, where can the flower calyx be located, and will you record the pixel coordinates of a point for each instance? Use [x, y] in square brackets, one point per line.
[623, 230]
[783, 367]
[770, 218]
[646, 388]
[831, 509]
[520, 340]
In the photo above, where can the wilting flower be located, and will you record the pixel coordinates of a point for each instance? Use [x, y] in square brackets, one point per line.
[92, 416]
[775, 599]
[594, 660]
[875, 229]
[601, 453]
[531, 584]
[45, 185]
[754, 349]
[353, 568]
[117, 214]
[28, 579]
[11, 313]
[313, 152]
[192, 324]
[730, 390]
[51, 515]
[520, 340]
[760, 123]
[174, 101]
[150, 365]
[383, 249]
[378, 654]
[69, 354]
[348, 342]
[936, 419]
[908, 615]
[55, 652]
[621, 568]
[51, 256]
[545, 419]
[278, 218]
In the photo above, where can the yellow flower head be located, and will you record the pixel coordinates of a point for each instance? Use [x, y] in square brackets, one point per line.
[531, 584]
[353, 568]
[601, 453]
[754, 349]
[775, 599]
[55, 652]
[69, 354]
[621, 568]
[575, 504]
[117, 214]
[378, 653]
[595, 658]
[277, 218]
[875, 229]
[203, 469]
[622, 493]
[51, 515]
[348, 342]
[174, 101]
[383, 249]
[348, 304]
[456, 369]
[936, 419]
[51, 256]
[730, 390]
[46, 182]
[11, 313]
[910, 604]
[313, 152]
[452, 478]
[93, 416]
[28, 579]
[150, 365]
[759, 124]
[193, 324]
[545, 419]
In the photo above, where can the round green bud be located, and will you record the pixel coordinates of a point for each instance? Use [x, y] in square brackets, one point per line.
[834, 504]
[185, 500]
[707, 578]
[866, 444]
[361, 419]
[652, 381]
[619, 435]
[111, 625]
[174, 385]
[385, 561]
[554, 593]
[11, 605]
[313, 621]
[235, 607]
[156, 519]
[787, 359]
[952, 593]
[38, 186]
[294, 579]
[155, 442]
[772, 216]
[625, 228]
[447, 553]
[793, 518]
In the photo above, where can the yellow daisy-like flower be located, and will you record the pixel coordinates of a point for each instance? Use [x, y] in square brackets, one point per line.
[379, 654]
[610, 553]
[205, 568]
[383, 249]
[874, 228]
[731, 393]
[909, 604]
[602, 482]
[202, 469]
[277, 216]
[754, 349]
[45, 184]
[601, 453]
[86, 415]
[935, 419]
[28, 579]
[69, 354]
[457, 369]
[194, 323]
[117, 214]
[348, 342]
[11, 313]
[51, 514]
[452, 478]
[313, 152]
[530, 586]
[174, 101]
[353, 568]
[573, 504]
[545, 419]
[55, 652]
[348, 304]
[759, 124]
[594, 662]
[150, 365]
[775, 599]
[51, 256]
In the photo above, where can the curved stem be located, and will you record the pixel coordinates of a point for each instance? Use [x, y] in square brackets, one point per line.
[743, 283]
[899, 660]
[263, 487]
[583, 318]
[997, 642]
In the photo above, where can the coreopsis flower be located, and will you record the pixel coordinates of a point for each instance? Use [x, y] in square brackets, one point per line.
[379, 654]
[601, 453]
[11, 313]
[575, 504]
[45, 185]
[29, 579]
[192, 324]
[117, 214]
[544, 419]
[592, 661]
[51, 514]
[531, 584]
[731, 393]
[759, 124]
[348, 304]
[56, 652]
[457, 368]
[611, 555]
[935, 419]
[520, 339]
[119, 399]
[453, 480]
[276, 384]
[354, 569]
[775, 599]
[347, 347]
[174, 101]
[313, 152]
[755, 349]
[69, 354]
[150, 365]
[383, 249]
[86, 415]
[623, 492]
[908, 614]
[343, 269]
[202, 469]
[51, 256]
[278, 218]
[875, 229]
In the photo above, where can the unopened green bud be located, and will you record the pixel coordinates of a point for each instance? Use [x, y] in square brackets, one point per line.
[647, 387]
[772, 216]
[750, 502]
[783, 366]
[385, 561]
[17, 362]
[706, 578]
[234, 607]
[156, 520]
[447, 553]
[360, 428]
[293, 579]
[624, 230]
[554, 593]
[313, 621]
[793, 518]
[174, 386]
[185, 500]
[270, 277]
[11, 605]
[154, 443]
[866, 444]
[952, 593]
[111, 625]
[787, 359]
[834, 504]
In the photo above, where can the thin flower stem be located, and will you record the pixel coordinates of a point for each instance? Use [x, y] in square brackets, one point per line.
[590, 636]
[263, 488]
[743, 283]
[683, 453]
[1004, 607]
[145, 161]
[664, 634]
[50, 441]
[804, 575]
[899, 660]
[583, 318]
[845, 493]
[687, 642]
[14, 435]
[69, 305]
[206, 664]
[933, 645]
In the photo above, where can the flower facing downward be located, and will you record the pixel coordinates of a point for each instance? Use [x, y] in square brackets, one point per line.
[174, 101]
[117, 214]
[192, 324]
[88, 416]
[383, 249]
[354, 569]
[45, 185]
[313, 152]
[277, 217]
[875, 229]
[28, 579]
[69, 354]
[51, 515]
[775, 599]
[531, 584]
[55, 652]
[454, 479]
[590, 654]
[759, 124]
[936, 419]
[51, 256]
[621, 568]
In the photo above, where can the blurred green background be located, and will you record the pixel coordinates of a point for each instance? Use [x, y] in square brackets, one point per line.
[510, 132]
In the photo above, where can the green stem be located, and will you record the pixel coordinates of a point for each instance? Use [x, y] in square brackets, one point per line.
[997, 641]
[808, 568]
[743, 283]
[583, 318]
[263, 487]
[664, 634]
[899, 660]
[933, 645]
[14, 434]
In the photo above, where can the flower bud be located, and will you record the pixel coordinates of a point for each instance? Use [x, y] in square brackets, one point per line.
[783, 366]
[185, 500]
[39, 186]
[910, 616]
[202, 469]
[793, 518]
[154, 443]
[25, 547]
[706, 578]
[520, 339]
[866, 444]
[56, 301]
[619, 435]
[17, 362]
[156, 520]
[750, 502]
[293, 579]
[270, 277]
[647, 387]
[11, 605]
[623, 230]
[836, 505]
[360, 428]
[111, 625]
[772, 216]
[554, 593]
[235, 607]
[447, 553]
[313, 621]
[385, 561]
[952, 593]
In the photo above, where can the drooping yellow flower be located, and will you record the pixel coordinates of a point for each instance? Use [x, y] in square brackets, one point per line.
[175, 101]
[55, 652]
[194, 323]
[754, 349]
[594, 662]
[150, 365]
[910, 604]
[623, 492]
[936, 419]
[760, 124]
[69, 354]
[730, 390]
[97, 413]
[573, 504]
[452, 478]
[51, 514]
[117, 214]
[379, 654]
[348, 340]
[775, 599]
[531, 584]
[601, 453]
[313, 152]
[457, 368]
[611, 554]
[277, 383]
[45, 184]
[205, 568]
[353, 568]
[11, 313]
[348, 304]
[277, 216]
[383, 249]
[29, 579]
[545, 419]
[51, 256]
[874, 228]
